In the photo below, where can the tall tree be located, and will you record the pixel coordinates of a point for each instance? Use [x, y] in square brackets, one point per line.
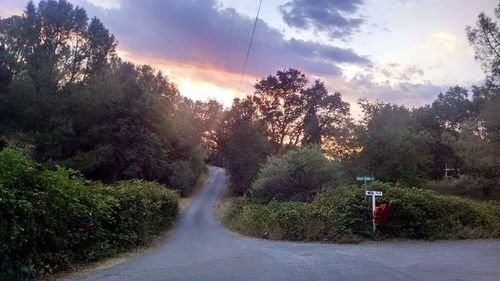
[452, 108]
[295, 114]
[485, 38]
[392, 149]
[67, 97]
[208, 114]
[242, 142]
[48, 51]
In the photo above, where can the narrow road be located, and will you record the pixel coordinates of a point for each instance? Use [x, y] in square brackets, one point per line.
[201, 249]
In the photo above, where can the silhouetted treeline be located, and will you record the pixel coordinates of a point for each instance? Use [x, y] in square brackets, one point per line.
[67, 99]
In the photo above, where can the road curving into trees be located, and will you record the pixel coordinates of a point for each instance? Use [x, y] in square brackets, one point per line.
[201, 249]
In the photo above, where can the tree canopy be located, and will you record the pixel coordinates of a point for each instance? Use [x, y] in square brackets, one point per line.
[294, 113]
[67, 99]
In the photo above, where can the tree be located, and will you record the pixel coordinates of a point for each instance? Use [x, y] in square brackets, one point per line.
[478, 144]
[485, 39]
[452, 108]
[209, 117]
[243, 144]
[437, 127]
[101, 45]
[480, 157]
[5, 72]
[392, 149]
[446, 116]
[48, 52]
[53, 44]
[325, 115]
[295, 115]
[67, 97]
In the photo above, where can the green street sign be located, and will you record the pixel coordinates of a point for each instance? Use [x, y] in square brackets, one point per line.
[365, 178]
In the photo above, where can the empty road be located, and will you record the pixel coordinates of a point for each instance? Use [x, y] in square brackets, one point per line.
[201, 249]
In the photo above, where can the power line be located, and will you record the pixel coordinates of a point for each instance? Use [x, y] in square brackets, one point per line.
[249, 46]
[230, 36]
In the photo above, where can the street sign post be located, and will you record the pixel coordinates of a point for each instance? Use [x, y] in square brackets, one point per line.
[373, 194]
[364, 179]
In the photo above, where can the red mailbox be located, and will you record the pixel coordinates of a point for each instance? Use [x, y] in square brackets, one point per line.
[87, 226]
[381, 213]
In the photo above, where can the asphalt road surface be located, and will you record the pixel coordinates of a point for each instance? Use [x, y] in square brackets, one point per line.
[201, 249]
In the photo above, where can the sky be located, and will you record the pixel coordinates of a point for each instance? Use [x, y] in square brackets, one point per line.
[398, 51]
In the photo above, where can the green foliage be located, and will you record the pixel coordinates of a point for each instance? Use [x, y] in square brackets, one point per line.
[275, 220]
[465, 186]
[422, 214]
[184, 174]
[477, 143]
[393, 143]
[42, 212]
[297, 175]
[344, 215]
[393, 150]
[241, 141]
[66, 96]
[296, 113]
[485, 38]
[452, 108]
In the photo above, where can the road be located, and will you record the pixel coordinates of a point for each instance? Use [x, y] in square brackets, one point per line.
[201, 249]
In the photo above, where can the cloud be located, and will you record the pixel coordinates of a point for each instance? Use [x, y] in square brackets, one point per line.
[398, 73]
[106, 4]
[198, 32]
[335, 17]
[189, 39]
[364, 85]
[448, 40]
[405, 92]
[10, 7]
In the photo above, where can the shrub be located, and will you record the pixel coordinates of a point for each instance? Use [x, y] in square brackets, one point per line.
[297, 175]
[465, 186]
[344, 215]
[42, 212]
[182, 177]
[424, 214]
[275, 220]
[183, 174]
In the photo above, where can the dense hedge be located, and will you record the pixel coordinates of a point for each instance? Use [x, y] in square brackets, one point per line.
[297, 175]
[42, 212]
[343, 215]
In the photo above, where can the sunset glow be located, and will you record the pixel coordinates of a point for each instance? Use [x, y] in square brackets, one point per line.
[395, 51]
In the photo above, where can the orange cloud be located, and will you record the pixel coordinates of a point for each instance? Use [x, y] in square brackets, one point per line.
[198, 82]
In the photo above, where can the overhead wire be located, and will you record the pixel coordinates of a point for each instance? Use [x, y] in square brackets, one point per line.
[249, 45]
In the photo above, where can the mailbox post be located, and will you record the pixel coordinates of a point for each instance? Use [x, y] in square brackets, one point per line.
[373, 194]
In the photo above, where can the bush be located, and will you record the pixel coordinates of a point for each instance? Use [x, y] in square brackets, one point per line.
[465, 185]
[274, 220]
[183, 174]
[423, 214]
[344, 215]
[297, 175]
[42, 213]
